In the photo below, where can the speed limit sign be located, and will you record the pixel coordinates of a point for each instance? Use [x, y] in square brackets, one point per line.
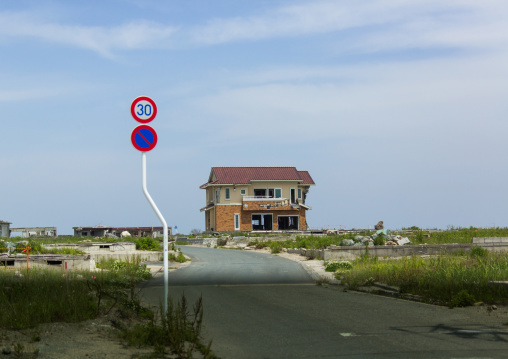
[143, 109]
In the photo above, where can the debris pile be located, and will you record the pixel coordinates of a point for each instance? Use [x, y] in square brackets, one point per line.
[381, 237]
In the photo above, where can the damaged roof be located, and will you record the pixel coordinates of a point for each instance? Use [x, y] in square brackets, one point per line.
[245, 175]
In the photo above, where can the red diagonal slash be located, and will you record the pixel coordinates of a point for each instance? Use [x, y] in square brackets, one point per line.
[143, 137]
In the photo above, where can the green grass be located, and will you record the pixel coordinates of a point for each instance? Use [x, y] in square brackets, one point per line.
[51, 295]
[453, 280]
[460, 235]
[48, 297]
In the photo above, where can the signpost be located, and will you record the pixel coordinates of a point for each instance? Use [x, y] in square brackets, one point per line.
[144, 139]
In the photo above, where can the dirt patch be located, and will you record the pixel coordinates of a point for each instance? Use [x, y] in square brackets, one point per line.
[96, 338]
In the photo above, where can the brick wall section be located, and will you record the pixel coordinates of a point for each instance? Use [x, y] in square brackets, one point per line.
[225, 219]
[246, 221]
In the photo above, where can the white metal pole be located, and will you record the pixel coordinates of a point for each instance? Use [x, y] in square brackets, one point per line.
[165, 226]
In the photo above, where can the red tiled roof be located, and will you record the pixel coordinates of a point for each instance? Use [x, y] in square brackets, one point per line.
[306, 178]
[244, 175]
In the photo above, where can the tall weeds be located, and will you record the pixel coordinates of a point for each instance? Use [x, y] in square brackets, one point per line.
[179, 330]
[438, 279]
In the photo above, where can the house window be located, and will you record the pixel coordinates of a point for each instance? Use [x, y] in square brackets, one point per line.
[278, 193]
[299, 193]
[217, 196]
[227, 195]
[259, 192]
[237, 222]
[243, 191]
[293, 195]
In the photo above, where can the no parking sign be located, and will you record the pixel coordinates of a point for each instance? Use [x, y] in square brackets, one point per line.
[144, 139]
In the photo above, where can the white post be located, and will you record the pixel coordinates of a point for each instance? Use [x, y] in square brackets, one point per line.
[165, 226]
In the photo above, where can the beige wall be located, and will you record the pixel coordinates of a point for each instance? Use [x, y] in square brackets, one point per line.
[235, 191]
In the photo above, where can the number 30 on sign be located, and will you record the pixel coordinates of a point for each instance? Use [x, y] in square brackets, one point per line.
[143, 109]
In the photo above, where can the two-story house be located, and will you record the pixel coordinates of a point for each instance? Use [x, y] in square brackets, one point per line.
[256, 198]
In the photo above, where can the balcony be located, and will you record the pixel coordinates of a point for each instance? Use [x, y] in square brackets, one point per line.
[263, 198]
[257, 203]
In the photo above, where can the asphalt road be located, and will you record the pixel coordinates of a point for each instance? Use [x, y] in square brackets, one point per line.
[263, 306]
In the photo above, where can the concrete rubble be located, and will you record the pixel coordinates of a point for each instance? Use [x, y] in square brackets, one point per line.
[391, 240]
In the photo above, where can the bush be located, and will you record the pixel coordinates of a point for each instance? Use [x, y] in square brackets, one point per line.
[333, 266]
[479, 252]
[147, 244]
[379, 240]
[275, 247]
[462, 299]
[180, 258]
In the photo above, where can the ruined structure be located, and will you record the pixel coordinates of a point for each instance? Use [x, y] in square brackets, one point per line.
[256, 199]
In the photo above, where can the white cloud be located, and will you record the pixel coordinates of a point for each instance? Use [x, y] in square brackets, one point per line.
[371, 26]
[384, 24]
[427, 97]
[103, 40]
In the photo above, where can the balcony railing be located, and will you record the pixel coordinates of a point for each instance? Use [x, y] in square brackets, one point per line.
[263, 198]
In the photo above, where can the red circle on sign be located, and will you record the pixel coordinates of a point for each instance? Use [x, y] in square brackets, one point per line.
[140, 111]
[144, 138]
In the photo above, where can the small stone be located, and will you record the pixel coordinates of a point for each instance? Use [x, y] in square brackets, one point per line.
[494, 307]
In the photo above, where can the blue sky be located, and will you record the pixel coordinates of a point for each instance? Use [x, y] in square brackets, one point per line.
[396, 108]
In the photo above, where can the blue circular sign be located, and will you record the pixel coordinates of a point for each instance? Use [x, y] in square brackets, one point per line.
[144, 138]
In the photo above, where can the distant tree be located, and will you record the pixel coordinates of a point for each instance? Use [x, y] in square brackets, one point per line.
[195, 231]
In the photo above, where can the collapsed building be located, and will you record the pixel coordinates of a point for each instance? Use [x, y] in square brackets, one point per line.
[103, 231]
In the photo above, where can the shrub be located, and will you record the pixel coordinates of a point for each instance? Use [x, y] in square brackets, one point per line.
[275, 247]
[379, 240]
[462, 299]
[479, 252]
[180, 258]
[147, 244]
[333, 266]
